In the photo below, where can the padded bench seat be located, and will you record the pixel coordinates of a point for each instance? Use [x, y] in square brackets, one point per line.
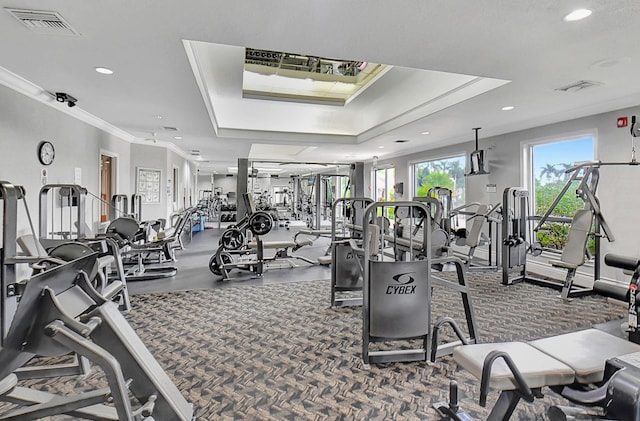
[558, 360]
[538, 368]
[585, 351]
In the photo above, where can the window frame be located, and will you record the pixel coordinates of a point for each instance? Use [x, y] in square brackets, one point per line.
[413, 163]
[527, 176]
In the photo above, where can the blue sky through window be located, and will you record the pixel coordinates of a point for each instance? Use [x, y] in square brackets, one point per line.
[559, 153]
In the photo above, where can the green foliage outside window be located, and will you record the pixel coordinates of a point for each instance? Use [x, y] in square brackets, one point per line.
[435, 179]
[554, 235]
[447, 173]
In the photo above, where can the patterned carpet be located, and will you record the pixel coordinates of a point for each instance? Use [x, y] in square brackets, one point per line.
[277, 352]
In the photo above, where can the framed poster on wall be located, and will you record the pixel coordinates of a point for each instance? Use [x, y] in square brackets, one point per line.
[148, 185]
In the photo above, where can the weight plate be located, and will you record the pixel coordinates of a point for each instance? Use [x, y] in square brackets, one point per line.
[260, 223]
[214, 267]
[217, 260]
[536, 248]
[232, 239]
[401, 212]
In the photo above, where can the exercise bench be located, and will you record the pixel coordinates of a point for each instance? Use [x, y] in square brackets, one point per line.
[566, 363]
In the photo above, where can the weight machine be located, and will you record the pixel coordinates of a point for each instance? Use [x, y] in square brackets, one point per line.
[586, 223]
[397, 293]
[136, 206]
[63, 208]
[59, 313]
[515, 235]
[346, 267]
[9, 287]
[473, 237]
[589, 222]
[233, 243]
[119, 206]
[628, 293]
[445, 197]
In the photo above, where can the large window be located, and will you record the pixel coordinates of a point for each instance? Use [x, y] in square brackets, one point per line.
[448, 172]
[385, 180]
[549, 162]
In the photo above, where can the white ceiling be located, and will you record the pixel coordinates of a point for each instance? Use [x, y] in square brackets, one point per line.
[183, 61]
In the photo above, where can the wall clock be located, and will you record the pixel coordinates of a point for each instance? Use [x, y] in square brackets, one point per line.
[46, 152]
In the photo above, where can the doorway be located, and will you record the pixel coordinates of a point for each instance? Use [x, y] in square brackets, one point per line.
[106, 185]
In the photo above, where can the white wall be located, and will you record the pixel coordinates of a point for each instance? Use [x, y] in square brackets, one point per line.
[24, 123]
[616, 191]
[160, 158]
[227, 184]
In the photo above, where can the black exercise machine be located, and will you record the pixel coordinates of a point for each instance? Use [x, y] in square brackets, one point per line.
[125, 232]
[623, 291]
[233, 251]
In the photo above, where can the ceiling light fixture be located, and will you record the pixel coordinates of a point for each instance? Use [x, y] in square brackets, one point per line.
[508, 108]
[157, 117]
[177, 137]
[104, 71]
[577, 15]
[380, 147]
[425, 133]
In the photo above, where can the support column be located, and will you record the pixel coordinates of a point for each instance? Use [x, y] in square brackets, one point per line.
[318, 194]
[241, 186]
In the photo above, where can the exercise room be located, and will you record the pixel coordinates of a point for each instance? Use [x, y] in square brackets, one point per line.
[319, 211]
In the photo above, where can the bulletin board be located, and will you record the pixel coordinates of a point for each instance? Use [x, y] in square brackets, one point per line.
[149, 185]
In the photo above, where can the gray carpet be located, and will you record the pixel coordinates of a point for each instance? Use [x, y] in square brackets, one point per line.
[277, 352]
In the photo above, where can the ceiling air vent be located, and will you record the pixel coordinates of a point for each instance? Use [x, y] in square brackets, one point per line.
[195, 152]
[578, 86]
[169, 129]
[43, 22]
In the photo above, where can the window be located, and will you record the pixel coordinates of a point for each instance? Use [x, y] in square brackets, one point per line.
[546, 177]
[384, 181]
[447, 172]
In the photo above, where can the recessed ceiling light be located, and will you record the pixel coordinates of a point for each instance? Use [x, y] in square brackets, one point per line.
[177, 137]
[104, 71]
[401, 141]
[380, 147]
[157, 117]
[577, 15]
[424, 133]
[508, 108]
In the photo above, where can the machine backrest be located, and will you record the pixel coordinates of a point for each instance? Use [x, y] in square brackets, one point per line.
[374, 239]
[31, 246]
[473, 237]
[575, 250]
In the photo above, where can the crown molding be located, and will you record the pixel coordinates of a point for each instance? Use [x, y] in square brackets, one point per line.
[35, 92]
